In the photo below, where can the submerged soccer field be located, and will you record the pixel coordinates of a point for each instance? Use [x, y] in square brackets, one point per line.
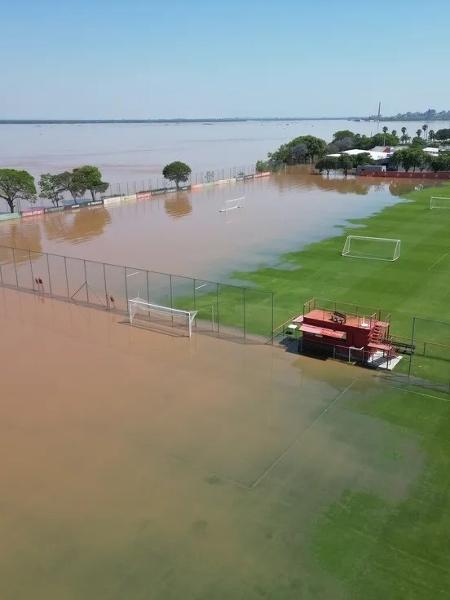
[165, 468]
[139, 465]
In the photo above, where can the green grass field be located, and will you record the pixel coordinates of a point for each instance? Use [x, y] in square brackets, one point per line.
[415, 285]
[379, 548]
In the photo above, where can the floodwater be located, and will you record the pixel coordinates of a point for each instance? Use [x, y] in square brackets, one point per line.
[137, 465]
[186, 234]
[136, 152]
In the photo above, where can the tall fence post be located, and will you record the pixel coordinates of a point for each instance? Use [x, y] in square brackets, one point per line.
[148, 288]
[273, 323]
[171, 295]
[126, 285]
[49, 276]
[86, 281]
[67, 279]
[218, 311]
[413, 335]
[106, 287]
[244, 315]
[15, 267]
[31, 268]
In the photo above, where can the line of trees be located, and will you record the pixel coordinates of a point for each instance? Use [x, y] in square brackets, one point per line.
[16, 185]
[415, 158]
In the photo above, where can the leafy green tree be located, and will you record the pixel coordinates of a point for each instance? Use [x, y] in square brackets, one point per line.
[327, 163]
[409, 158]
[342, 134]
[16, 185]
[301, 149]
[362, 159]
[441, 162]
[54, 186]
[87, 178]
[382, 139]
[262, 166]
[443, 134]
[177, 171]
[431, 134]
[345, 162]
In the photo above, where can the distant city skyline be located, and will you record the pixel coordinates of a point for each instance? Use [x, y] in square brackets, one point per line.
[152, 60]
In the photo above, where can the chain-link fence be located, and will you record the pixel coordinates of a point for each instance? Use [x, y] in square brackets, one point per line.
[153, 185]
[222, 309]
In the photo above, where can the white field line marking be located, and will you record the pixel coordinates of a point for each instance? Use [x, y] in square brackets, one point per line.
[436, 262]
[409, 391]
[299, 437]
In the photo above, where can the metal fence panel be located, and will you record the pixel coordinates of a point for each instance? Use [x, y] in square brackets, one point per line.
[76, 273]
[116, 287]
[96, 284]
[8, 272]
[40, 272]
[58, 278]
[136, 280]
[206, 303]
[24, 269]
[231, 317]
[159, 288]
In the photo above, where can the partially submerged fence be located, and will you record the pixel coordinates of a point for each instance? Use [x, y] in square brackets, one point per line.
[150, 186]
[224, 310]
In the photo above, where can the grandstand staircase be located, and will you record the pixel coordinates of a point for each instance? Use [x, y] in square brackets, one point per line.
[378, 333]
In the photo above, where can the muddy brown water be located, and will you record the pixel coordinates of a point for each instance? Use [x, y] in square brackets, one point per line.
[136, 464]
[186, 233]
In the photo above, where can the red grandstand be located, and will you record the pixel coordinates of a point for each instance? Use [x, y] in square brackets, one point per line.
[329, 330]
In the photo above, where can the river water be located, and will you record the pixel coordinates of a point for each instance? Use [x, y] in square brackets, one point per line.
[136, 152]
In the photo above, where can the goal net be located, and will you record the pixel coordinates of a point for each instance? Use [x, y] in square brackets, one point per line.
[161, 315]
[439, 202]
[232, 204]
[358, 246]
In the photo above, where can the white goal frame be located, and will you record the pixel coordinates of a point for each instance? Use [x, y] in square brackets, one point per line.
[232, 204]
[136, 304]
[432, 204]
[346, 251]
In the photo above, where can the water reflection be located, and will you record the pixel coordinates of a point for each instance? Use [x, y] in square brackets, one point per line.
[22, 234]
[77, 227]
[178, 205]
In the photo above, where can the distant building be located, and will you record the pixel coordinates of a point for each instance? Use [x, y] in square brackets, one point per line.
[364, 169]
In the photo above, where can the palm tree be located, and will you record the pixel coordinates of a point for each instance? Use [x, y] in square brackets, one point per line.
[404, 137]
[431, 134]
[385, 130]
[419, 133]
[394, 132]
[425, 127]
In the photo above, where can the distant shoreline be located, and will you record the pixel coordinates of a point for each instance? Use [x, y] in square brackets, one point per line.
[163, 121]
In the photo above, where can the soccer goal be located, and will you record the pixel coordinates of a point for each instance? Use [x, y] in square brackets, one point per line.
[232, 204]
[439, 202]
[359, 246]
[161, 315]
